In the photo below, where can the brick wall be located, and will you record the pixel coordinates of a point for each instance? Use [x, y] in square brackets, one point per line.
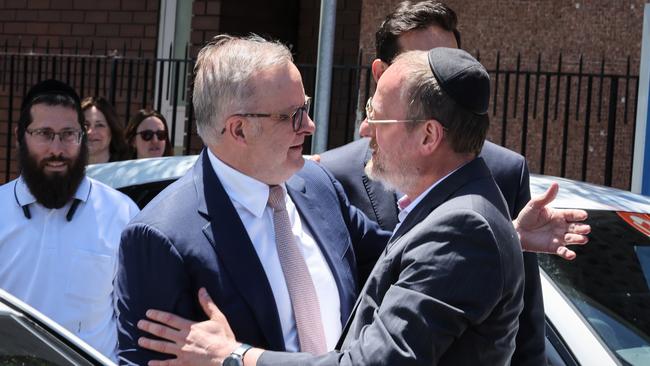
[68, 25]
[596, 30]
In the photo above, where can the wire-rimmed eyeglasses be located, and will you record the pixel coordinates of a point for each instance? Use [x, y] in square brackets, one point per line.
[370, 113]
[296, 116]
[45, 136]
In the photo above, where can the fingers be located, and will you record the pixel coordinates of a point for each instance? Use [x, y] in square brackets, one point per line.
[213, 312]
[580, 229]
[565, 253]
[169, 319]
[575, 239]
[159, 346]
[546, 197]
[571, 215]
[160, 330]
[210, 308]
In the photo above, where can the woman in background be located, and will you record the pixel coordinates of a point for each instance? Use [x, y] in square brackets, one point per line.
[105, 137]
[148, 135]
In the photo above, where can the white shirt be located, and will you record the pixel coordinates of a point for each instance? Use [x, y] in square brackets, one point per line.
[250, 196]
[65, 269]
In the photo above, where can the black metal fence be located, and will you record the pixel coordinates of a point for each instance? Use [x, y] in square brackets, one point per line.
[568, 122]
[565, 120]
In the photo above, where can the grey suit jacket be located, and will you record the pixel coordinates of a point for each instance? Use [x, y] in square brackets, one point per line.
[510, 172]
[447, 290]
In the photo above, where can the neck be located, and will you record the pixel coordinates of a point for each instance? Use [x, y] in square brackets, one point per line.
[99, 157]
[242, 162]
[433, 172]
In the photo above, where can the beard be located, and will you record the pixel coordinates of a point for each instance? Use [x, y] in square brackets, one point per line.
[56, 189]
[398, 178]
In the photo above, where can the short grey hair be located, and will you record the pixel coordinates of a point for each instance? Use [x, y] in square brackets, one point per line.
[225, 73]
[466, 131]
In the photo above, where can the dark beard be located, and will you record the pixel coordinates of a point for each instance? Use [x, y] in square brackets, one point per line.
[55, 190]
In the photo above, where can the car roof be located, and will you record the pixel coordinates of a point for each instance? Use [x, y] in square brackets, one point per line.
[126, 173]
[587, 196]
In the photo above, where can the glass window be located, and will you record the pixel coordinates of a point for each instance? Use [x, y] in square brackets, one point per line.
[608, 283]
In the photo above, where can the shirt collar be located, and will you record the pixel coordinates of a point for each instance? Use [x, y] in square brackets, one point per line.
[24, 197]
[248, 192]
[403, 212]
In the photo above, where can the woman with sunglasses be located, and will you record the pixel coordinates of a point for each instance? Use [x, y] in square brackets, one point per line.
[148, 135]
[105, 134]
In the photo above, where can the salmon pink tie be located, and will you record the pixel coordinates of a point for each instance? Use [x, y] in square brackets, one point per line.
[306, 308]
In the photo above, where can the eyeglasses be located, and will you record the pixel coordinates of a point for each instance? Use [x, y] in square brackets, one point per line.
[296, 116]
[45, 136]
[147, 135]
[370, 114]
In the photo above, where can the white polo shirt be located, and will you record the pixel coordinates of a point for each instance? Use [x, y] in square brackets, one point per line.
[65, 269]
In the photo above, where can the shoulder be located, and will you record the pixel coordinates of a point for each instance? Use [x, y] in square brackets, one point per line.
[346, 156]
[174, 205]
[495, 155]
[8, 188]
[108, 196]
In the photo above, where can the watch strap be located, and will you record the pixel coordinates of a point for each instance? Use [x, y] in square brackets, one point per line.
[241, 350]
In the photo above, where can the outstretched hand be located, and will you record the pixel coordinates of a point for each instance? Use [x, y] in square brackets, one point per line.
[204, 343]
[544, 229]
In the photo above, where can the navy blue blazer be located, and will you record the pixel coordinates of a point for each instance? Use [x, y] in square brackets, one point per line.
[190, 236]
[509, 170]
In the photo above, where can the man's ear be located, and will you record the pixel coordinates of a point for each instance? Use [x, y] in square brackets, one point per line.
[433, 136]
[378, 68]
[235, 128]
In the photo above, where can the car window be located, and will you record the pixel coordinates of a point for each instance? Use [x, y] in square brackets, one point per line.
[608, 282]
[25, 343]
[141, 194]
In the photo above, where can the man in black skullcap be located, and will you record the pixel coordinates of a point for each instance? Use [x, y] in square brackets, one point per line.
[448, 289]
[60, 229]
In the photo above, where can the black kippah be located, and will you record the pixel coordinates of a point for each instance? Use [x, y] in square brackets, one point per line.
[462, 78]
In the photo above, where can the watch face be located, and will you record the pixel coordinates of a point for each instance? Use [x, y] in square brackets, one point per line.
[232, 361]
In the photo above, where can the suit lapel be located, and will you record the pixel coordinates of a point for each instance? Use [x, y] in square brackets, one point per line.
[310, 206]
[228, 237]
[475, 169]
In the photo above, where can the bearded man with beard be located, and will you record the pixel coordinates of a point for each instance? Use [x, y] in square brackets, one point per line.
[60, 229]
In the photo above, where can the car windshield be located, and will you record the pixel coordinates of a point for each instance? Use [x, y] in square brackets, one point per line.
[25, 343]
[609, 282]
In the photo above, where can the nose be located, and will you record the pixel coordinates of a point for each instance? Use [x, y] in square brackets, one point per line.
[308, 126]
[365, 129]
[56, 146]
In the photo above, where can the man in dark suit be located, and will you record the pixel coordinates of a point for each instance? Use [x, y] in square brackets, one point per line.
[213, 228]
[448, 289]
[423, 26]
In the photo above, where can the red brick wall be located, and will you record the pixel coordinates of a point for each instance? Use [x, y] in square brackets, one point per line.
[594, 29]
[68, 24]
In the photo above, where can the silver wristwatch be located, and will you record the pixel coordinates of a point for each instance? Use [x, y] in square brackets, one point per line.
[236, 358]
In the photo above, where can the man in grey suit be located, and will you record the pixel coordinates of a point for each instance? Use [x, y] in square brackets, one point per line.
[448, 289]
[423, 26]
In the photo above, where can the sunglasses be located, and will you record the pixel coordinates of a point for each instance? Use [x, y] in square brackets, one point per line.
[147, 135]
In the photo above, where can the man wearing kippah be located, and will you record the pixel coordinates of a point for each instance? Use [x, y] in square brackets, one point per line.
[60, 229]
[448, 288]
